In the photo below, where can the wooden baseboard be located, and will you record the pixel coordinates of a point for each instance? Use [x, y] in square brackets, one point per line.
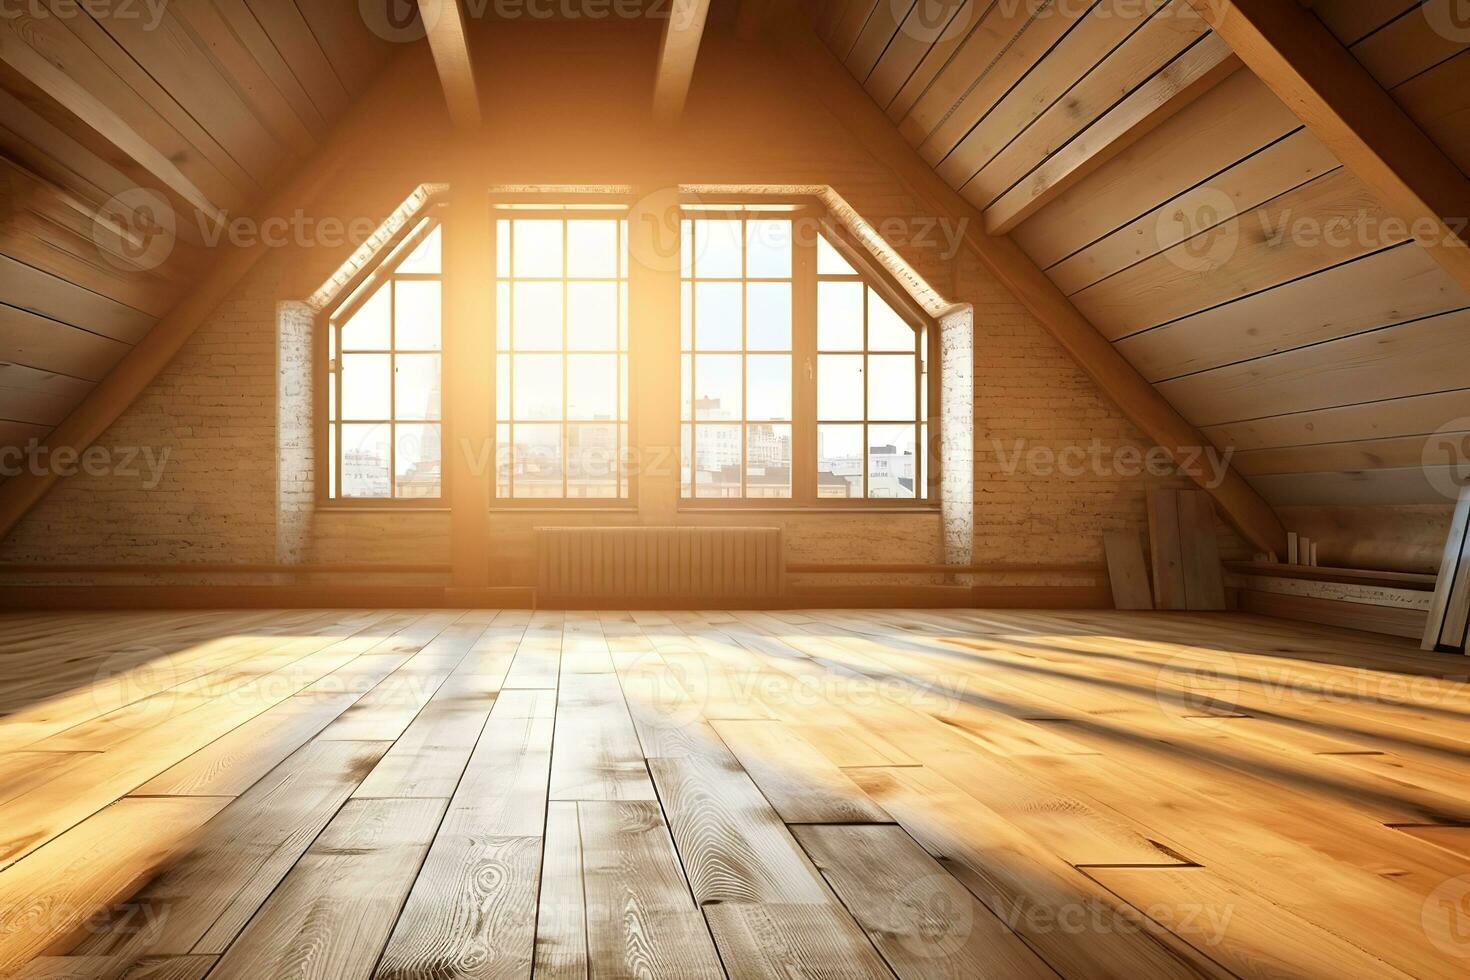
[1389, 620]
[110, 597]
[78, 597]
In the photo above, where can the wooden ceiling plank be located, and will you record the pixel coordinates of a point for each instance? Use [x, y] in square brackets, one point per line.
[955, 35]
[42, 293]
[380, 108]
[253, 36]
[239, 65]
[1188, 77]
[293, 37]
[445, 22]
[94, 59]
[1116, 379]
[677, 53]
[29, 74]
[1339, 100]
[342, 32]
[1058, 72]
[48, 345]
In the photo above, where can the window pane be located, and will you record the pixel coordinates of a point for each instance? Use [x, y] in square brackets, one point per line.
[365, 451]
[717, 249]
[830, 261]
[891, 461]
[840, 316]
[426, 259]
[592, 249]
[768, 461]
[839, 387]
[332, 461]
[537, 316]
[502, 316]
[686, 316]
[768, 322]
[417, 462]
[839, 461]
[717, 315]
[592, 386]
[592, 461]
[502, 461]
[891, 387]
[417, 315]
[502, 387]
[717, 385]
[536, 461]
[370, 326]
[717, 461]
[686, 249]
[768, 249]
[537, 387]
[366, 381]
[768, 386]
[502, 248]
[686, 386]
[886, 329]
[592, 315]
[686, 459]
[538, 248]
[416, 386]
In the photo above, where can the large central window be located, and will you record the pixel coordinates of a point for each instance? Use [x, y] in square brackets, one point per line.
[561, 356]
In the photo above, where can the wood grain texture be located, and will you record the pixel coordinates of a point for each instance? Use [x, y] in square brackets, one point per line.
[1074, 794]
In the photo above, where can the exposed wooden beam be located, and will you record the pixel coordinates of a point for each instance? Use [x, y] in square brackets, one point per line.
[1115, 377]
[1189, 76]
[138, 369]
[444, 21]
[1339, 101]
[34, 78]
[677, 53]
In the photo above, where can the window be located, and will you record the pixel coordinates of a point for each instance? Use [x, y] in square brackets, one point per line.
[872, 407]
[737, 358]
[561, 357]
[383, 382]
[801, 381]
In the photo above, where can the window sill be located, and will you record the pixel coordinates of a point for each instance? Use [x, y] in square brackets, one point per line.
[693, 507]
[505, 509]
[378, 509]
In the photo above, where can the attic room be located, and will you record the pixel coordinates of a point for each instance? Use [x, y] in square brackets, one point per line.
[734, 488]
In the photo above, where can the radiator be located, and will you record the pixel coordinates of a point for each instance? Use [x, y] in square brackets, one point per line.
[716, 566]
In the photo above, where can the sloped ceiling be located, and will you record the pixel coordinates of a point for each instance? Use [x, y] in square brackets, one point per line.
[196, 108]
[1224, 251]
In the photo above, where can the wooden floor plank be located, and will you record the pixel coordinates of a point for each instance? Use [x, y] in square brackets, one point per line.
[332, 915]
[799, 781]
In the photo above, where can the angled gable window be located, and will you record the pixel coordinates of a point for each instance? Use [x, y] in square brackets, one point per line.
[805, 370]
[384, 378]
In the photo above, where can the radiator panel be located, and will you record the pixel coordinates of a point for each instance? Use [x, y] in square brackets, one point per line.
[724, 566]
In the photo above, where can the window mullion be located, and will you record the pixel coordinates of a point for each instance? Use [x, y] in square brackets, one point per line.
[804, 370]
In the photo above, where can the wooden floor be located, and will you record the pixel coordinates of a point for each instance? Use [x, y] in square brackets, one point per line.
[434, 794]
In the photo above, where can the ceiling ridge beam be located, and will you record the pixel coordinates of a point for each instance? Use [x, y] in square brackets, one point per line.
[446, 27]
[1340, 101]
[677, 53]
[1117, 379]
[146, 361]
